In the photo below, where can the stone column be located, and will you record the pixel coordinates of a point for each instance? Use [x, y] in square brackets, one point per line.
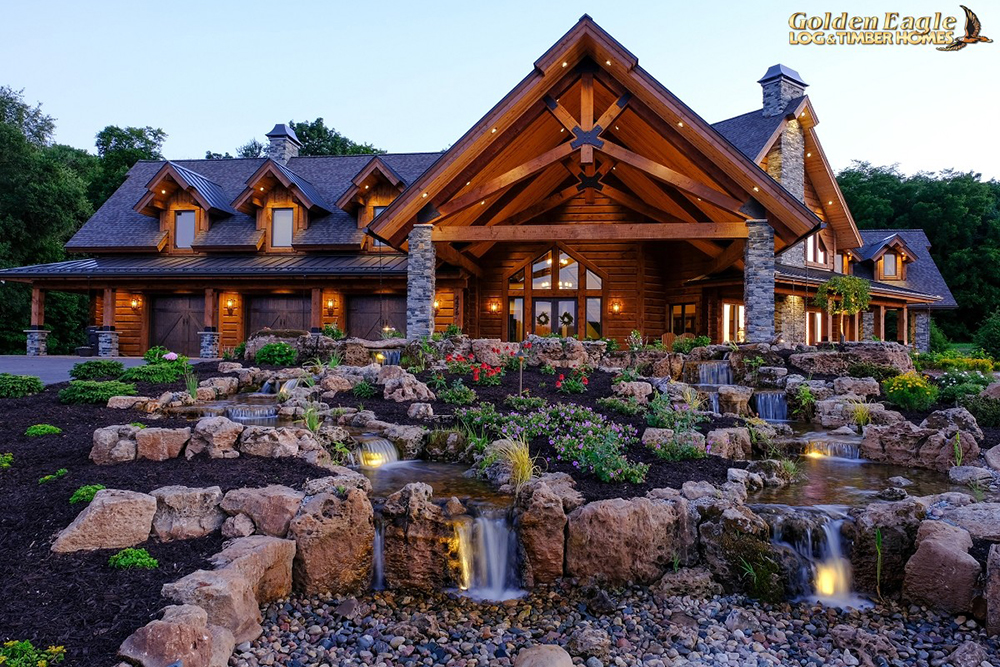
[922, 331]
[420, 283]
[37, 342]
[758, 282]
[793, 319]
[209, 348]
[107, 343]
[867, 325]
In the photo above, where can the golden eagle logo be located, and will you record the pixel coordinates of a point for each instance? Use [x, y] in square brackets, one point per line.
[972, 36]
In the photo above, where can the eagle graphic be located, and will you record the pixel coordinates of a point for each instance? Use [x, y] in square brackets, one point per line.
[972, 36]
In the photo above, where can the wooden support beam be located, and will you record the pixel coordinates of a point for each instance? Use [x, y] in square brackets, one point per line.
[316, 308]
[671, 177]
[587, 118]
[452, 256]
[37, 307]
[515, 175]
[880, 323]
[728, 257]
[210, 305]
[904, 325]
[640, 206]
[564, 117]
[582, 232]
[612, 112]
[109, 307]
[526, 214]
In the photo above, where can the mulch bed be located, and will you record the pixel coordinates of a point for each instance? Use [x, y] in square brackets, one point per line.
[76, 600]
[661, 473]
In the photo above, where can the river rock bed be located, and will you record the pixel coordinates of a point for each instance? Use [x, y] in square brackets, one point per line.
[634, 627]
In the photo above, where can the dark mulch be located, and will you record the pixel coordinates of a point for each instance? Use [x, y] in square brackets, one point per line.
[661, 473]
[76, 600]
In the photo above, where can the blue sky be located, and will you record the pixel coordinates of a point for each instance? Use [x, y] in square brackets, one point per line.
[414, 76]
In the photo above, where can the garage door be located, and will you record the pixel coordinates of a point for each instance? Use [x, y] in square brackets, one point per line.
[366, 315]
[176, 321]
[278, 312]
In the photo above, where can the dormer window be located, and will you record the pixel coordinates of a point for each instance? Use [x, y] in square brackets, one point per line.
[815, 250]
[184, 227]
[890, 269]
[282, 223]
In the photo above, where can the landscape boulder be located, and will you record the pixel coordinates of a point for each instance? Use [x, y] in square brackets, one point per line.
[417, 543]
[639, 391]
[407, 388]
[670, 365]
[942, 574]
[556, 352]
[271, 507]
[226, 596]
[181, 635]
[265, 562]
[589, 642]
[735, 399]
[114, 519]
[215, 435]
[270, 442]
[237, 526]
[409, 440]
[336, 383]
[447, 445]
[906, 444]
[493, 351]
[982, 520]
[114, 444]
[966, 475]
[160, 444]
[953, 419]
[898, 523]
[334, 535]
[728, 532]
[839, 362]
[183, 513]
[543, 655]
[729, 443]
[540, 522]
[421, 411]
[860, 387]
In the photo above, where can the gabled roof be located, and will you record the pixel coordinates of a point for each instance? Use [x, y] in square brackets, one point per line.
[873, 248]
[922, 274]
[892, 289]
[304, 190]
[206, 192]
[377, 166]
[753, 132]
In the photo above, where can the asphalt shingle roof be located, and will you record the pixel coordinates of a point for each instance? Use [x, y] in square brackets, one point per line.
[922, 275]
[210, 190]
[751, 131]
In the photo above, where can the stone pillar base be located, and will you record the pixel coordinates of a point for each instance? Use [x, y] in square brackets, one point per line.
[209, 344]
[758, 282]
[107, 344]
[920, 336]
[37, 342]
[867, 325]
[420, 283]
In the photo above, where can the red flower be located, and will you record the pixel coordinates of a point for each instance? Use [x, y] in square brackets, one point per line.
[527, 345]
[448, 358]
[562, 377]
[584, 380]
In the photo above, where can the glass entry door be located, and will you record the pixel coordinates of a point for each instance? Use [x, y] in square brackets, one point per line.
[555, 315]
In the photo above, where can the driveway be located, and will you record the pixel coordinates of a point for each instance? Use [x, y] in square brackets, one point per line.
[53, 369]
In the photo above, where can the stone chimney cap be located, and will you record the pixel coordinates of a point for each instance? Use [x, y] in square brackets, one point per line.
[283, 130]
[778, 71]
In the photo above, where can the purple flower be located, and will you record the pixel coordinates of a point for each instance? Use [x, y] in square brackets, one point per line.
[170, 356]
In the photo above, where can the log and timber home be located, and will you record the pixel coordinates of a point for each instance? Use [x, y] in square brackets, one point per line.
[588, 202]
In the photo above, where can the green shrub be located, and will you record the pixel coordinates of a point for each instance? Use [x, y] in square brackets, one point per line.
[164, 373]
[42, 429]
[661, 414]
[939, 342]
[866, 369]
[240, 350]
[364, 389]
[128, 559]
[276, 354]
[334, 331]
[986, 410]
[18, 386]
[62, 472]
[154, 355]
[685, 345]
[457, 394]
[437, 382]
[98, 369]
[525, 403]
[547, 369]
[988, 336]
[6, 460]
[629, 406]
[24, 654]
[85, 493]
[954, 360]
[956, 384]
[911, 391]
[90, 391]
[677, 451]
[452, 330]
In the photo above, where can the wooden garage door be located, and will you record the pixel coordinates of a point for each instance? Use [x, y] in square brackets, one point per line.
[278, 312]
[366, 315]
[176, 321]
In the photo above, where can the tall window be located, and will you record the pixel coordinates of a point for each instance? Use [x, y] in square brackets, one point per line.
[814, 327]
[555, 293]
[815, 250]
[184, 223]
[683, 318]
[889, 265]
[733, 328]
[281, 228]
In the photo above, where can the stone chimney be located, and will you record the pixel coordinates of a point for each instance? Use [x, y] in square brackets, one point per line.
[781, 84]
[283, 145]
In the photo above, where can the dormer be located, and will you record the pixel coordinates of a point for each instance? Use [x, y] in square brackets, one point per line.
[184, 201]
[372, 190]
[891, 257]
[281, 202]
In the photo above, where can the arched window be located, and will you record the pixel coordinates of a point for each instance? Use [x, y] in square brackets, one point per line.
[555, 293]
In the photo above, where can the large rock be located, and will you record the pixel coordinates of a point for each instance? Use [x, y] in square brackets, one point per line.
[993, 590]
[954, 419]
[942, 574]
[265, 562]
[540, 522]
[729, 443]
[544, 655]
[183, 512]
[621, 541]
[336, 384]
[182, 635]
[557, 352]
[114, 444]
[447, 445]
[492, 351]
[992, 456]
[418, 540]
[114, 519]
[669, 366]
[407, 388]
[589, 642]
[969, 654]
[215, 435]
[966, 475]
[735, 399]
[334, 534]
[271, 507]
[982, 520]
[276, 443]
[409, 440]
[729, 534]
[860, 387]
[906, 444]
[897, 523]
[639, 391]
[226, 596]
[838, 363]
[223, 386]
[160, 444]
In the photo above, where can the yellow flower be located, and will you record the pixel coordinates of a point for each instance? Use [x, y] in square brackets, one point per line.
[43, 663]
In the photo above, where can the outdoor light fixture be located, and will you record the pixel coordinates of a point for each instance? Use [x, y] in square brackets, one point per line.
[437, 306]
[329, 306]
[616, 307]
[230, 306]
[136, 303]
[494, 306]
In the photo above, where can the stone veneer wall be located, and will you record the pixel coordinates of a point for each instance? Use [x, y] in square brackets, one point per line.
[758, 282]
[867, 325]
[209, 347]
[420, 283]
[37, 342]
[920, 330]
[790, 319]
[107, 344]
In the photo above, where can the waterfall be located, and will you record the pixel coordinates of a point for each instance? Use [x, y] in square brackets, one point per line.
[388, 357]
[487, 551]
[818, 449]
[715, 372]
[713, 400]
[378, 556]
[253, 415]
[373, 452]
[771, 405]
[274, 386]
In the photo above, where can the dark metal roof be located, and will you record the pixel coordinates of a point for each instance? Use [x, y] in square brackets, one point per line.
[283, 130]
[213, 194]
[200, 266]
[922, 274]
[751, 132]
[779, 70]
[305, 186]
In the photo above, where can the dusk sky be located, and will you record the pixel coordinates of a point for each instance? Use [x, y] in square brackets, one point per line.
[415, 76]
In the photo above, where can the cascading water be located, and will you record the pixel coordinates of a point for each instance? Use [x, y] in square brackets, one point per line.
[253, 415]
[374, 452]
[388, 357]
[712, 397]
[715, 372]
[771, 405]
[487, 551]
[818, 449]
[278, 386]
[378, 556]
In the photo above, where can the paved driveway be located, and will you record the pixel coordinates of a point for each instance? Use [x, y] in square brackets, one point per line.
[52, 369]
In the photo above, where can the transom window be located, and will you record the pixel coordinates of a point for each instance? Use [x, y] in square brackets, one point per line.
[281, 227]
[184, 224]
[555, 294]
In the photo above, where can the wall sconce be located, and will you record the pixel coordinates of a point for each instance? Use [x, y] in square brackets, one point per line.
[230, 306]
[493, 306]
[329, 306]
[437, 306]
[616, 307]
[136, 303]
